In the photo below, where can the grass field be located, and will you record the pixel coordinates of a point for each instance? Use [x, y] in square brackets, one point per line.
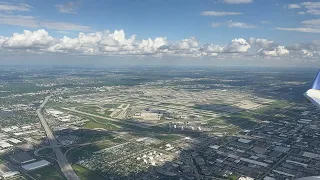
[86, 174]
[47, 173]
[93, 125]
[74, 154]
[167, 137]
[45, 151]
[274, 105]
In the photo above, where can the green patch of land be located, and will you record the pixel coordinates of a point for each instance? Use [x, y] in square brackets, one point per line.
[93, 137]
[167, 137]
[274, 105]
[45, 151]
[86, 151]
[86, 174]
[47, 173]
[93, 125]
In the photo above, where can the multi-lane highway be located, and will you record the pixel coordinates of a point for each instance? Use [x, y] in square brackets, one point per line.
[65, 167]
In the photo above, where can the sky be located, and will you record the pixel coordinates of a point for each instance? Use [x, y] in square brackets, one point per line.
[160, 32]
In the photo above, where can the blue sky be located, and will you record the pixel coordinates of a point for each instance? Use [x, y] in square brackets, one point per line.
[293, 26]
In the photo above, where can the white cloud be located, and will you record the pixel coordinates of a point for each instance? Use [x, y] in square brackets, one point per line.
[117, 43]
[305, 52]
[293, 6]
[29, 40]
[185, 44]
[25, 21]
[301, 13]
[215, 24]
[212, 48]
[301, 29]
[312, 7]
[240, 25]
[63, 26]
[313, 23]
[69, 8]
[309, 26]
[236, 46]
[237, 1]
[219, 13]
[32, 22]
[261, 43]
[150, 46]
[278, 51]
[4, 6]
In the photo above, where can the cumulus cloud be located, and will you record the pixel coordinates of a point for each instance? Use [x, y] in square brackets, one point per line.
[313, 46]
[237, 1]
[240, 25]
[219, 13]
[117, 43]
[305, 52]
[212, 48]
[185, 44]
[236, 46]
[28, 40]
[278, 51]
[69, 8]
[261, 43]
[4, 6]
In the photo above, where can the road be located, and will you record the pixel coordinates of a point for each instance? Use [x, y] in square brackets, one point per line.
[65, 167]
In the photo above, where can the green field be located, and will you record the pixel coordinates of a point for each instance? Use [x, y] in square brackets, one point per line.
[74, 154]
[45, 151]
[167, 137]
[86, 174]
[274, 105]
[47, 173]
[92, 125]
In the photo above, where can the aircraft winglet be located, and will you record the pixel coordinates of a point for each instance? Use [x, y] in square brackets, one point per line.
[316, 82]
[313, 94]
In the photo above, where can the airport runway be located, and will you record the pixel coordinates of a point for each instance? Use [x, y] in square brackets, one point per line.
[65, 167]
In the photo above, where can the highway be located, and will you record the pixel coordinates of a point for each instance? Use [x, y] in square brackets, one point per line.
[65, 167]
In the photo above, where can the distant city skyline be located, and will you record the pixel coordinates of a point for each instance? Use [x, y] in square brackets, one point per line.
[174, 33]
